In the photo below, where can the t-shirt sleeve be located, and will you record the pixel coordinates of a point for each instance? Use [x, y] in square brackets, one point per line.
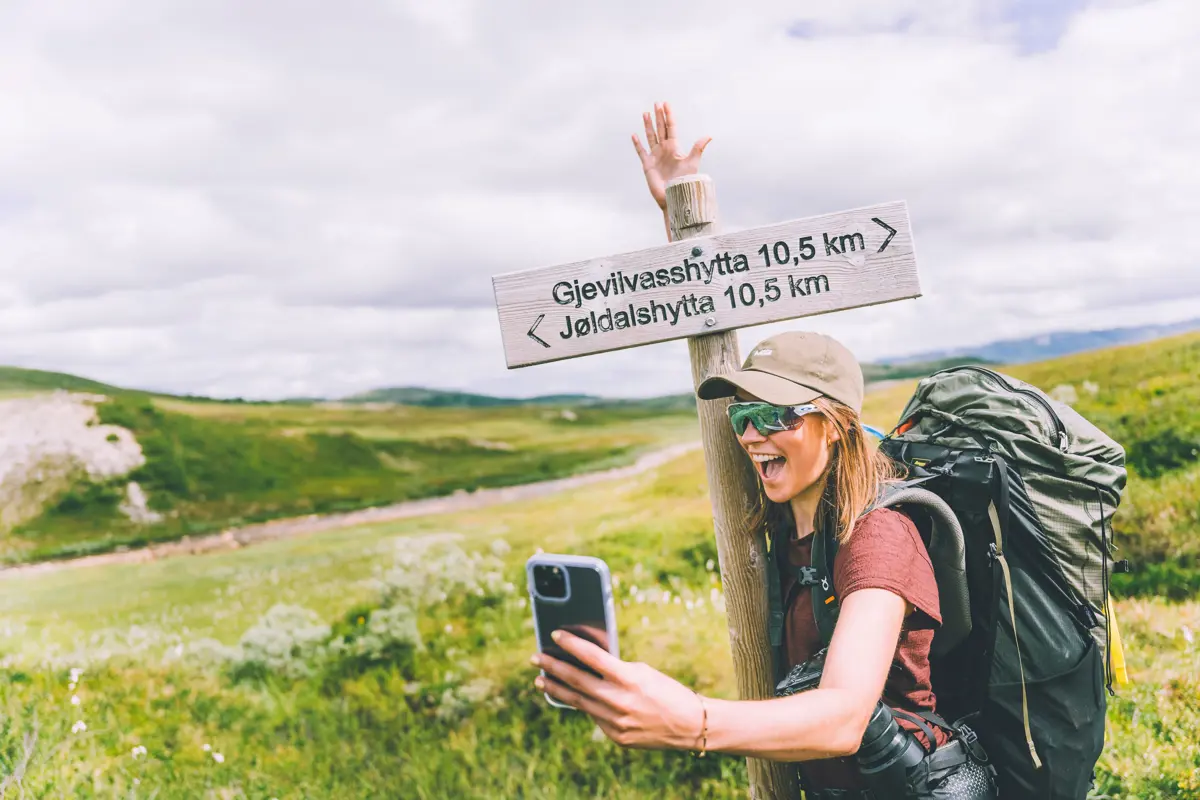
[885, 551]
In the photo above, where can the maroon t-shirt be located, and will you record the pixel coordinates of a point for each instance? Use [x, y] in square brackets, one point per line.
[885, 551]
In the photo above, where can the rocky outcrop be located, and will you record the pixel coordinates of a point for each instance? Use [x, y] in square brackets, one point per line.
[50, 441]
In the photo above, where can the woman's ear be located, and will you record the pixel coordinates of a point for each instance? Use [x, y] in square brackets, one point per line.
[832, 434]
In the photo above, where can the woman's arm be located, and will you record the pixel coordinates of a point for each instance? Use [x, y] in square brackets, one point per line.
[660, 158]
[638, 706]
[828, 721]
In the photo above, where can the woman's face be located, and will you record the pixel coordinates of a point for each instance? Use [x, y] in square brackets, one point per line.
[788, 462]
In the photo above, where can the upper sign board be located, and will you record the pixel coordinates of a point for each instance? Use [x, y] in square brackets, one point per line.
[696, 286]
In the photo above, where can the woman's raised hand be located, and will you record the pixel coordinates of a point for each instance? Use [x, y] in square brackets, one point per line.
[661, 160]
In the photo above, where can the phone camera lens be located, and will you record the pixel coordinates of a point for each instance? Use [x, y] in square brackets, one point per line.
[550, 581]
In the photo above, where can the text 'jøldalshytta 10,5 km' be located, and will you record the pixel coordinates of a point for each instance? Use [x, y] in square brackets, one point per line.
[776, 272]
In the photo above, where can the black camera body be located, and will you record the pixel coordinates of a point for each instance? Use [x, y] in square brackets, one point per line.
[894, 764]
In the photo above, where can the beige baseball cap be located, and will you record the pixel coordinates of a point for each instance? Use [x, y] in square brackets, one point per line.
[791, 369]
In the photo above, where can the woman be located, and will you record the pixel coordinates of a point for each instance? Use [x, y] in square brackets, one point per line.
[799, 397]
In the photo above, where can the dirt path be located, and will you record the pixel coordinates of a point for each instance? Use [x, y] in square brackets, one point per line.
[244, 536]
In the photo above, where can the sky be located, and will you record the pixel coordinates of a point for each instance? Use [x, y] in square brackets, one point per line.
[300, 198]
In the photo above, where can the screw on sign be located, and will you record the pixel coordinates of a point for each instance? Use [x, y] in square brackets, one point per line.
[704, 290]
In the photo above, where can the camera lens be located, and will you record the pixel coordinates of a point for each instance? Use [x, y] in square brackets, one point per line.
[550, 581]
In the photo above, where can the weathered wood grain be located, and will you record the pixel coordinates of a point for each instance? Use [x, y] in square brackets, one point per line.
[845, 264]
[733, 487]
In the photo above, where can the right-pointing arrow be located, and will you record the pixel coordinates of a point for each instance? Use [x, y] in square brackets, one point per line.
[891, 232]
[533, 335]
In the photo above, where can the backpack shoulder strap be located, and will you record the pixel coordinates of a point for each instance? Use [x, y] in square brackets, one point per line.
[824, 600]
[947, 552]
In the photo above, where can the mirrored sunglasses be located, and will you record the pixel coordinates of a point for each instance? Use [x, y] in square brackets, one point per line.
[766, 417]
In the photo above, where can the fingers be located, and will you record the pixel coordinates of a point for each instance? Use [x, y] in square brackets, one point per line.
[577, 700]
[651, 134]
[590, 654]
[698, 147]
[571, 675]
[637, 146]
[669, 121]
[660, 122]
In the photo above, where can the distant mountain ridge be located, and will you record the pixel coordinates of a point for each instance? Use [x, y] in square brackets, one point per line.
[1010, 351]
[438, 398]
[1054, 345]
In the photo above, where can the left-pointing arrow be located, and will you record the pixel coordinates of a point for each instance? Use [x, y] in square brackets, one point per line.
[533, 335]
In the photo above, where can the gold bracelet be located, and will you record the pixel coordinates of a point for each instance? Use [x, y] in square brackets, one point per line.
[703, 737]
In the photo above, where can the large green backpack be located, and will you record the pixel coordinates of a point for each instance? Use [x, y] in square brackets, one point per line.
[1013, 494]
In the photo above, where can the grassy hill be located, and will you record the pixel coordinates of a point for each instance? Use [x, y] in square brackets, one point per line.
[210, 465]
[16, 380]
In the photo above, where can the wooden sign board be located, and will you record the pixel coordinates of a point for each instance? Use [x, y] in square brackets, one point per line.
[703, 285]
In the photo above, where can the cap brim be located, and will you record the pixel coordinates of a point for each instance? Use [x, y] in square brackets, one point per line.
[763, 385]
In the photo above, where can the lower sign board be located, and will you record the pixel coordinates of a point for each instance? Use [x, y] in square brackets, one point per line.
[733, 280]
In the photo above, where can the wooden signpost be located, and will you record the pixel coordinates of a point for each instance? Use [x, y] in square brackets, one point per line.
[704, 286]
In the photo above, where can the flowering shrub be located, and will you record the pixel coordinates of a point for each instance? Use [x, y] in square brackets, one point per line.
[434, 572]
[458, 701]
[287, 641]
[384, 635]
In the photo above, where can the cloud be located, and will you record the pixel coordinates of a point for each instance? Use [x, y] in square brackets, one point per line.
[273, 198]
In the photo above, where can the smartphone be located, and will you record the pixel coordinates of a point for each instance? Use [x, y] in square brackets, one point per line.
[573, 593]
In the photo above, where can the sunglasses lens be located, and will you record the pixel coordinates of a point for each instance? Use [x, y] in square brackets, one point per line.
[763, 416]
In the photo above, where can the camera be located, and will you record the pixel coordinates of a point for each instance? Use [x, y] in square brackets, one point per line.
[550, 581]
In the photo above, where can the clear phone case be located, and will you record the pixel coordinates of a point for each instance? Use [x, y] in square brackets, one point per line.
[573, 593]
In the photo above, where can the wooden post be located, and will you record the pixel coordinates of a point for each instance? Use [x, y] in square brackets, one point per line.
[733, 487]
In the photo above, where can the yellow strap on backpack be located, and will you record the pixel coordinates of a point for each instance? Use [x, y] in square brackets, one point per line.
[1116, 649]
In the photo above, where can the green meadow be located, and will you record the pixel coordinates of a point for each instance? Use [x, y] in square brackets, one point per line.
[391, 660]
[211, 465]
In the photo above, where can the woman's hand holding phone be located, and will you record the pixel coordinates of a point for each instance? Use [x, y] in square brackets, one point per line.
[634, 704]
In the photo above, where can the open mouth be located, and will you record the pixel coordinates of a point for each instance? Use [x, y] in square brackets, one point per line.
[769, 465]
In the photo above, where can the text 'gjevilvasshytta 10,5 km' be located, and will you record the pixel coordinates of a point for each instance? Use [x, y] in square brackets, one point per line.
[733, 280]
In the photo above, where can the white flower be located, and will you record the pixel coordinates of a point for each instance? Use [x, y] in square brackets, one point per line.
[1187, 634]
[140, 750]
[217, 757]
[137, 781]
[71, 686]
[207, 747]
[75, 673]
[708, 565]
[79, 727]
[75, 700]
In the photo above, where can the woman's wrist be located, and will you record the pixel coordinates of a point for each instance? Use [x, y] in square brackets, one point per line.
[700, 747]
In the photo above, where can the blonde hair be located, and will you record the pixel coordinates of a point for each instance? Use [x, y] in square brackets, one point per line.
[855, 474]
